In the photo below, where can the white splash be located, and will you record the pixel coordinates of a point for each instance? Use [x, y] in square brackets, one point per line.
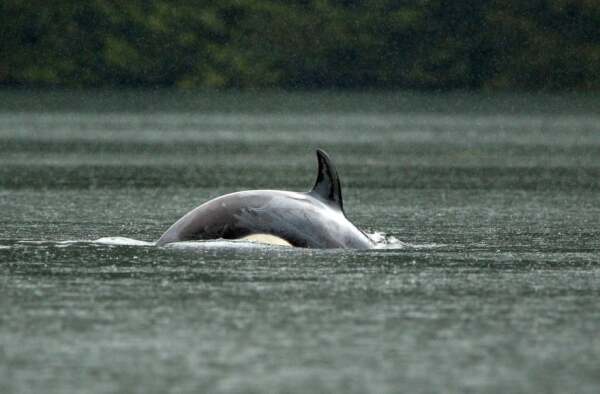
[121, 241]
[116, 241]
[385, 241]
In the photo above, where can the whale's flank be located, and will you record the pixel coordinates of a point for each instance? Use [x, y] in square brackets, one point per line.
[314, 219]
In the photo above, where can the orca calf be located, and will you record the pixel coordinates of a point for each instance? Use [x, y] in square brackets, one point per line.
[314, 219]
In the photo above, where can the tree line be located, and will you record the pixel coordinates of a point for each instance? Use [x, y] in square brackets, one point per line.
[305, 44]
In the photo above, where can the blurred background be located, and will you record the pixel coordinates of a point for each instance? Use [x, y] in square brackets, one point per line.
[309, 44]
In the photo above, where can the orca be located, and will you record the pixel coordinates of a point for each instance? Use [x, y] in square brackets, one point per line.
[314, 219]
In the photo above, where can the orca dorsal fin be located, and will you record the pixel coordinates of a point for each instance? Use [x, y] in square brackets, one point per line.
[327, 187]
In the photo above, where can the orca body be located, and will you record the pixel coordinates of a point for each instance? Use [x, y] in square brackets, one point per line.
[314, 219]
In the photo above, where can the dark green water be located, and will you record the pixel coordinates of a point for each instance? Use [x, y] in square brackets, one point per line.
[494, 287]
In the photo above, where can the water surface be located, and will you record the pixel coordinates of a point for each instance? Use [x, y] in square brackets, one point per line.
[492, 285]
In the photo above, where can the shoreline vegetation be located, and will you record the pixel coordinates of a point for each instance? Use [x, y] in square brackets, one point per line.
[475, 45]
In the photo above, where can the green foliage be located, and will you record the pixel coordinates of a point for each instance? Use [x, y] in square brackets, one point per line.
[427, 44]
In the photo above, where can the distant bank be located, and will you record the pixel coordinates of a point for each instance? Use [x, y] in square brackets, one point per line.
[551, 45]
